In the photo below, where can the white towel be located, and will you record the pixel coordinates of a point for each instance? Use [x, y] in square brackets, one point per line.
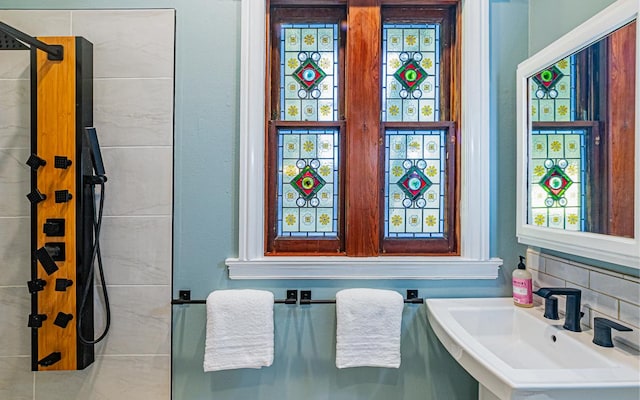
[368, 328]
[239, 330]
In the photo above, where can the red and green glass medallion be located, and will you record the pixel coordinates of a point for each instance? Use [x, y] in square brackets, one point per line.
[307, 183]
[309, 74]
[414, 183]
[410, 75]
[555, 182]
[547, 78]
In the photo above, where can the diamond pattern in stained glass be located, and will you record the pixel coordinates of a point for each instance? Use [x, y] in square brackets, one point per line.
[555, 182]
[410, 75]
[414, 183]
[309, 74]
[307, 183]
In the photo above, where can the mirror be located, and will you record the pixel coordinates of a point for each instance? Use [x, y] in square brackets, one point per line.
[578, 142]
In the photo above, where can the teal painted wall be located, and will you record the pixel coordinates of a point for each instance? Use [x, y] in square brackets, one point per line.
[206, 224]
[550, 19]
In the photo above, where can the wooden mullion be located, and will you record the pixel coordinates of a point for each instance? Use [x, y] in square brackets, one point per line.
[362, 96]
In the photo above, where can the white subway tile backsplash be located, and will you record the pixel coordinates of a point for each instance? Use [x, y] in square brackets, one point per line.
[134, 112]
[598, 301]
[540, 279]
[568, 272]
[605, 293]
[620, 288]
[15, 251]
[535, 261]
[630, 313]
[16, 378]
[128, 43]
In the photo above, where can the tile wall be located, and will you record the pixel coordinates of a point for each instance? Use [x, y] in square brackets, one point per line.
[133, 114]
[604, 293]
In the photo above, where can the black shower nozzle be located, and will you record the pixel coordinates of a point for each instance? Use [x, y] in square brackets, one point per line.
[35, 162]
[62, 196]
[46, 260]
[35, 320]
[61, 162]
[63, 284]
[36, 197]
[50, 359]
[36, 285]
[62, 319]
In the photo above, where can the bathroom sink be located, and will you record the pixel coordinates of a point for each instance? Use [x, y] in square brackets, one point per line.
[515, 353]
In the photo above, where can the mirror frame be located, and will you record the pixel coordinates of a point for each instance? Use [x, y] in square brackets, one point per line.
[612, 249]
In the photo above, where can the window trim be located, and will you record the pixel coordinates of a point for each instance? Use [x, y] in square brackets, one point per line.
[474, 261]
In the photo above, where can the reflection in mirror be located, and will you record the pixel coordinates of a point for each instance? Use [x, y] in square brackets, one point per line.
[581, 155]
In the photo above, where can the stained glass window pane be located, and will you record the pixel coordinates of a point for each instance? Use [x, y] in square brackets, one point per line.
[553, 92]
[309, 72]
[414, 183]
[411, 72]
[557, 179]
[307, 182]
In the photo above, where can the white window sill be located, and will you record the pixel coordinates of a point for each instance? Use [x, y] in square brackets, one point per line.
[363, 268]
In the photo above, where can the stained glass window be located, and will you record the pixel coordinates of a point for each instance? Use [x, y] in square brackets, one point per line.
[410, 72]
[414, 183]
[557, 178]
[309, 72]
[307, 182]
[553, 92]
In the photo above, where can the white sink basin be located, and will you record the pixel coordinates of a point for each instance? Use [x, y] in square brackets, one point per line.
[515, 353]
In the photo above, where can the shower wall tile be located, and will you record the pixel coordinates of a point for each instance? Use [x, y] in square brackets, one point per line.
[140, 316]
[15, 249]
[140, 180]
[15, 183]
[134, 112]
[16, 378]
[136, 250]
[121, 377]
[140, 37]
[15, 64]
[15, 307]
[14, 118]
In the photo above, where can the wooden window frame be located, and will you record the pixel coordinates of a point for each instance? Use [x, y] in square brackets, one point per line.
[475, 260]
[361, 132]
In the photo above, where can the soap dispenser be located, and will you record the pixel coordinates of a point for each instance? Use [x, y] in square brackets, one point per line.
[522, 286]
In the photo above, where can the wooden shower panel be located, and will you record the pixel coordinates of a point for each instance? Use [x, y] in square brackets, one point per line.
[61, 108]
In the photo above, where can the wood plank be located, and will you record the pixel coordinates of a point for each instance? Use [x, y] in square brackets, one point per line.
[621, 130]
[363, 127]
[56, 115]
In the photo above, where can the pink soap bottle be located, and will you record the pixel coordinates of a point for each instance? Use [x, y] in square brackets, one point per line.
[522, 286]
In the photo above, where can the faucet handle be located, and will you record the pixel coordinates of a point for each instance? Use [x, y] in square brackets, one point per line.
[602, 331]
[551, 307]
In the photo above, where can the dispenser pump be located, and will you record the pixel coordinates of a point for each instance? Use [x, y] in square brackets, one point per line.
[522, 286]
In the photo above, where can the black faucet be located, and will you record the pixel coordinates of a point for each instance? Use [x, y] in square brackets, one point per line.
[602, 331]
[572, 314]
